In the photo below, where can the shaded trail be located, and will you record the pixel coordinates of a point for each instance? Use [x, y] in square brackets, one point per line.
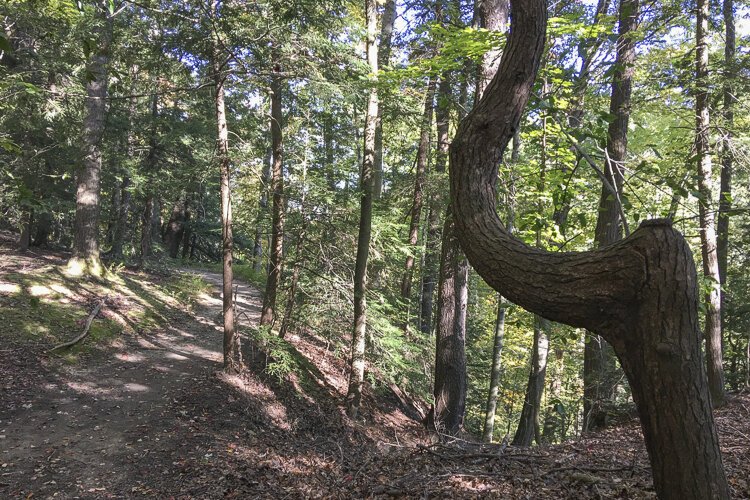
[109, 424]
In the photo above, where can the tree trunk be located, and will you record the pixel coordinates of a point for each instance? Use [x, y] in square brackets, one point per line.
[299, 255]
[436, 204]
[705, 210]
[150, 208]
[600, 372]
[262, 210]
[232, 354]
[640, 294]
[85, 258]
[24, 240]
[423, 154]
[176, 226]
[384, 58]
[277, 187]
[359, 333]
[497, 365]
[725, 191]
[502, 306]
[528, 423]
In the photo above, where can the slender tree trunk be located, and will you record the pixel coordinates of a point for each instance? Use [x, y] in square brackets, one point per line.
[423, 154]
[120, 217]
[359, 334]
[647, 308]
[277, 188]
[85, 258]
[262, 211]
[502, 306]
[437, 204]
[150, 208]
[528, 424]
[600, 373]
[232, 354]
[299, 255]
[384, 58]
[706, 183]
[725, 191]
[176, 226]
[24, 240]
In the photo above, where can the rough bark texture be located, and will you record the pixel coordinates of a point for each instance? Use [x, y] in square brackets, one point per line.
[384, 57]
[706, 183]
[493, 15]
[232, 355]
[277, 207]
[85, 258]
[450, 335]
[176, 226]
[727, 159]
[640, 294]
[600, 372]
[423, 154]
[359, 333]
[528, 423]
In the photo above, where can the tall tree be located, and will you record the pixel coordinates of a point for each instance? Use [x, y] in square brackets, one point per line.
[599, 363]
[277, 203]
[359, 333]
[727, 155]
[706, 185]
[647, 308]
[384, 57]
[85, 258]
[502, 306]
[219, 62]
[423, 153]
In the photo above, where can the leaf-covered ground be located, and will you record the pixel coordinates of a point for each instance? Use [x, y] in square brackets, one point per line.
[141, 409]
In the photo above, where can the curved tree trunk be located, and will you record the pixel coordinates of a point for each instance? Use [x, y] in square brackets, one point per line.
[640, 294]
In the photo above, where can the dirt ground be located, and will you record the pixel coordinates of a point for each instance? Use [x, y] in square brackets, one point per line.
[150, 415]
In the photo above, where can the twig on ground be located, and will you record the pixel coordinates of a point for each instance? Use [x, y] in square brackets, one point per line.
[86, 328]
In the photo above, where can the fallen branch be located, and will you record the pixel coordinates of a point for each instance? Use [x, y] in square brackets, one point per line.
[86, 328]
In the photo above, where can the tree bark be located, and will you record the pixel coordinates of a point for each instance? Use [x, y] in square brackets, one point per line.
[384, 57]
[599, 373]
[359, 333]
[299, 255]
[706, 183]
[640, 294]
[727, 158]
[150, 207]
[176, 226]
[436, 205]
[232, 354]
[423, 154]
[85, 258]
[528, 423]
[502, 306]
[277, 188]
[262, 210]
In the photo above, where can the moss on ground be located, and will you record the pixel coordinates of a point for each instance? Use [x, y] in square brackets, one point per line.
[44, 307]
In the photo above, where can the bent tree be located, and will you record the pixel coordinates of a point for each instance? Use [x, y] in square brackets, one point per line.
[639, 294]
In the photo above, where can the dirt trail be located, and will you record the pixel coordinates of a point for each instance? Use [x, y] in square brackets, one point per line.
[114, 426]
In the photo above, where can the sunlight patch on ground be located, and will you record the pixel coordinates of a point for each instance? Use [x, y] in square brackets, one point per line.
[174, 355]
[275, 411]
[9, 288]
[133, 387]
[89, 388]
[130, 357]
[39, 290]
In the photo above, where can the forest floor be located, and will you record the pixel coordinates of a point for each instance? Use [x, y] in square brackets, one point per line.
[140, 408]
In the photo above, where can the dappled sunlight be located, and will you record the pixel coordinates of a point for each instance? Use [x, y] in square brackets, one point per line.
[10, 288]
[130, 357]
[39, 290]
[133, 387]
[254, 388]
[174, 355]
[90, 389]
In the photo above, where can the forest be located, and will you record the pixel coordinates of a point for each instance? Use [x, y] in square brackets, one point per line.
[374, 248]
